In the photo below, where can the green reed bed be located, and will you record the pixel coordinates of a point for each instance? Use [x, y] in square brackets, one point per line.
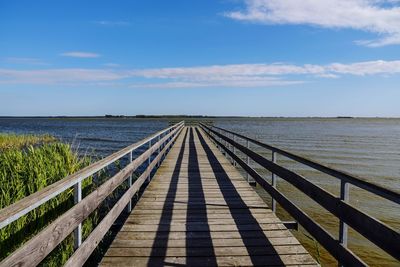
[14, 141]
[28, 164]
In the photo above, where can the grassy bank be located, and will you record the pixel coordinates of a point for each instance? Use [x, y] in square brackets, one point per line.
[27, 164]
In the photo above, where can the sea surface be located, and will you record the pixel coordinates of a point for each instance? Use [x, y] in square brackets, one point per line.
[368, 148]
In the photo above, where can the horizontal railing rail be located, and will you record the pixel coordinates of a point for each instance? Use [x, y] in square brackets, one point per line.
[37, 248]
[349, 178]
[374, 230]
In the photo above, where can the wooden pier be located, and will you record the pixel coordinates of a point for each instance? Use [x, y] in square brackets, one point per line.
[197, 209]
[200, 211]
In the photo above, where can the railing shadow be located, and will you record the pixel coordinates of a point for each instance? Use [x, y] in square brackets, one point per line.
[160, 244]
[229, 192]
[197, 208]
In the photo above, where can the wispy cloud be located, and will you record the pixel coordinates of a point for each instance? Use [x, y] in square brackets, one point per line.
[58, 76]
[214, 76]
[112, 23]
[25, 61]
[241, 82]
[111, 65]
[381, 17]
[80, 54]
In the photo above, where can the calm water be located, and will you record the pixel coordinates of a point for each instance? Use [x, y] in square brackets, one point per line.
[369, 148]
[99, 136]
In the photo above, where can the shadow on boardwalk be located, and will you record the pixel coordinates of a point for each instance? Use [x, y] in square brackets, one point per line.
[199, 244]
[243, 218]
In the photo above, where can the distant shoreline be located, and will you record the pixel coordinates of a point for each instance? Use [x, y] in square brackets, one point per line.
[186, 116]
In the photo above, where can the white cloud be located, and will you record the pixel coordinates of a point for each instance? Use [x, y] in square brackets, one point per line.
[80, 54]
[262, 71]
[222, 82]
[366, 68]
[381, 17]
[232, 71]
[239, 75]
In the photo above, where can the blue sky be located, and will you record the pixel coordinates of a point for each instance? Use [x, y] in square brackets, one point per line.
[210, 57]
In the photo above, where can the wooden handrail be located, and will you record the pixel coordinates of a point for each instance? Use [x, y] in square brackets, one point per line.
[37, 248]
[25, 205]
[377, 232]
[85, 250]
[352, 179]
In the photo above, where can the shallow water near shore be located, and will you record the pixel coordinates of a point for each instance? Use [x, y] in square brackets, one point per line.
[369, 148]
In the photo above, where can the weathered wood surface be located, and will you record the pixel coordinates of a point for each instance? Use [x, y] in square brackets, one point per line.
[199, 211]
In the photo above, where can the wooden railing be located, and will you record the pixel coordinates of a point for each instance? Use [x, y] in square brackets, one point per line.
[371, 228]
[37, 248]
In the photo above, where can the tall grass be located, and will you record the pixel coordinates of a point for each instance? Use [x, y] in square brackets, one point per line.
[25, 169]
[14, 141]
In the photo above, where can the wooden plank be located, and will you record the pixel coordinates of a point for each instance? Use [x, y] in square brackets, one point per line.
[224, 221]
[215, 216]
[200, 242]
[202, 204]
[236, 212]
[210, 194]
[171, 251]
[273, 260]
[201, 184]
[122, 235]
[185, 198]
[201, 228]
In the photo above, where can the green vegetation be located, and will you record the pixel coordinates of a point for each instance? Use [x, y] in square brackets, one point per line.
[28, 164]
[13, 141]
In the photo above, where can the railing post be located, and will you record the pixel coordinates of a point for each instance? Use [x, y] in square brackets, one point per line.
[229, 148]
[148, 162]
[233, 149]
[158, 151]
[130, 183]
[168, 148]
[208, 131]
[78, 230]
[226, 145]
[343, 228]
[273, 181]
[221, 141]
[248, 162]
[166, 141]
[250, 180]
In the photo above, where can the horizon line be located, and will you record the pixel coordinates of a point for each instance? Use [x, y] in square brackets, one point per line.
[139, 116]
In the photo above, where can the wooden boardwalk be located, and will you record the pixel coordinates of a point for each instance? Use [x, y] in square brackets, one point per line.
[199, 211]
